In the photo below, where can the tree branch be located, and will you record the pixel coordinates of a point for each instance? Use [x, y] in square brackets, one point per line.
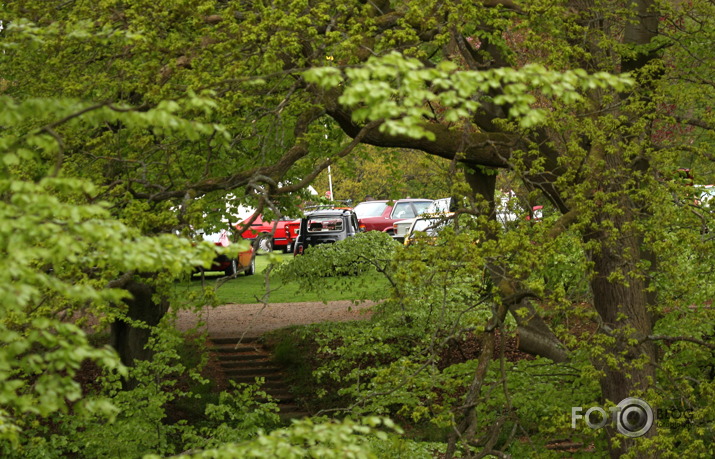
[491, 149]
[670, 339]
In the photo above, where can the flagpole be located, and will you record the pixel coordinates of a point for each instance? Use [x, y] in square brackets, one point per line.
[330, 184]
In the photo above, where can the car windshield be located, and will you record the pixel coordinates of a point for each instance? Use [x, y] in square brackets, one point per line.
[421, 206]
[370, 209]
[324, 223]
[403, 210]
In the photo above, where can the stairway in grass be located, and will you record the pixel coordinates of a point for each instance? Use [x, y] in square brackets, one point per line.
[245, 362]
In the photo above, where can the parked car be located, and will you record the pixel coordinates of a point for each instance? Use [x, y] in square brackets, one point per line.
[704, 195]
[704, 199]
[381, 215]
[427, 228]
[511, 210]
[268, 240]
[293, 230]
[244, 262]
[436, 217]
[401, 228]
[325, 227]
[505, 213]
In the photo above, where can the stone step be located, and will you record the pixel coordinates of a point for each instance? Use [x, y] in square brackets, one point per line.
[292, 412]
[248, 364]
[233, 341]
[263, 372]
[242, 357]
[244, 362]
[271, 385]
[282, 398]
[243, 349]
[251, 379]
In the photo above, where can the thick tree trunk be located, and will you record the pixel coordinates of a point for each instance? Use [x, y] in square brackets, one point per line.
[130, 336]
[621, 300]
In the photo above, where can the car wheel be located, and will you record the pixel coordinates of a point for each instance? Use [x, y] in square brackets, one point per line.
[251, 267]
[265, 244]
[233, 267]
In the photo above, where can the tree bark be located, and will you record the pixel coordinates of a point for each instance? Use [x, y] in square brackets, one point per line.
[535, 336]
[621, 300]
[130, 335]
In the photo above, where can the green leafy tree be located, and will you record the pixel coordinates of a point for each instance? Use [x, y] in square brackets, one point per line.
[95, 164]
[153, 104]
[62, 251]
[380, 174]
[594, 152]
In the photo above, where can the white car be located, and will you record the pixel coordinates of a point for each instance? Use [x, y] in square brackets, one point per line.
[401, 229]
[704, 195]
[428, 226]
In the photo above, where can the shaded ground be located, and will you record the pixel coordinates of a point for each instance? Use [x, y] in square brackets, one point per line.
[252, 320]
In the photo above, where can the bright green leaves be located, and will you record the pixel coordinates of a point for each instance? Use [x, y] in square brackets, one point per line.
[403, 93]
[345, 259]
[60, 247]
[307, 438]
[58, 257]
[31, 123]
[50, 353]
[325, 77]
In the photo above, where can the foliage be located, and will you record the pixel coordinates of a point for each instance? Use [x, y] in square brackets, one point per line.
[562, 271]
[389, 367]
[392, 365]
[394, 89]
[139, 425]
[364, 253]
[415, 322]
[60, 249]
[116, 116]
[137, 420]
[238, 416]
[307, 438]
[215, 289]
[389, 175]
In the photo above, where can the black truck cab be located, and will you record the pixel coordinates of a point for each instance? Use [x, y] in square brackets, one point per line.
[325, 227]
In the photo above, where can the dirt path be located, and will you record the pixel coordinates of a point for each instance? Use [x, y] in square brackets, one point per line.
[252, 320]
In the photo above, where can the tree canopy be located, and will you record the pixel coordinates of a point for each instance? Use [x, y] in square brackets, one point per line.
[124, 123]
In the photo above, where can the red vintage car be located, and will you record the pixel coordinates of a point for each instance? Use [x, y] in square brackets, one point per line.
[268, 240]
[381, 215]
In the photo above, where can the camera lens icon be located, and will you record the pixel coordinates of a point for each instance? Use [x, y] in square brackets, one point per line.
[634, 418]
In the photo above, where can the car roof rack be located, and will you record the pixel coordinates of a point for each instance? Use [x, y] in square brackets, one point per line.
[331, 211]
[338, 205]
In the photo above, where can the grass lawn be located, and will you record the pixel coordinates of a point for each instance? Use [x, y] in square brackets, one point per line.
[249, 289]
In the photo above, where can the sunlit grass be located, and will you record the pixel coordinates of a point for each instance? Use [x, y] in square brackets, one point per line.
[252, 289]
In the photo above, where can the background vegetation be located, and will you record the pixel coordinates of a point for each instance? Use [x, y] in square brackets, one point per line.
[379, 174]
[125, 126]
